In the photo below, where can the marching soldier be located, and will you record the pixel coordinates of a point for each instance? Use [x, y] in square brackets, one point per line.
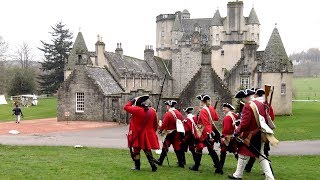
[188, 140]
[228, 128]
[173, 137]
[142, 131]
[205, 135]
[260, 96]
[249, 129]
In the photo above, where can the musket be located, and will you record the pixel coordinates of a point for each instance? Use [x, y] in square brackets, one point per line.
[271, 96]
[164, 79]
[267, 89]
[250, 146]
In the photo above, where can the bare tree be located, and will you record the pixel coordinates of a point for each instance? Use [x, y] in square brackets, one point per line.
[3, 49]
[24, 55]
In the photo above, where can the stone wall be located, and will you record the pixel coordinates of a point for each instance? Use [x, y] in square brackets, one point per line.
[97, 107]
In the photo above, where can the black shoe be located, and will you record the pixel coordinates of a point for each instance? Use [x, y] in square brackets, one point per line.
[154, 168]
[194, 168]
[157, 162]
[218, 171]
[230, 176]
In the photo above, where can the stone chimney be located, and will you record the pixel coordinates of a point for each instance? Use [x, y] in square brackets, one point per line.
[149, 57]
[235, 16]
[100, 50]
[119, 49]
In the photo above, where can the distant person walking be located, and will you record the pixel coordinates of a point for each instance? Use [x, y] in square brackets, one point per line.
[18, 113]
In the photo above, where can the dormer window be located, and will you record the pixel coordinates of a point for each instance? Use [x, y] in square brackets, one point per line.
[222, 52]
[79, 58]
[188, 41]
[245, 68]
[197, 28]
[176, 41]
[284, 67]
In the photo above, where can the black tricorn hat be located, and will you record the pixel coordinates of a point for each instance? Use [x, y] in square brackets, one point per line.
[228, 106]
[204, 97]
[188, 109]
[170, 103]
[260, 92]
[141, 99]
[244, 93]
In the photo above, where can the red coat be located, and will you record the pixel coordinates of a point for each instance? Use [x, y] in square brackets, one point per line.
[169, 122]
[248, 123]
[188, 126]
[142, 131]
[228, 124]
[204, 120]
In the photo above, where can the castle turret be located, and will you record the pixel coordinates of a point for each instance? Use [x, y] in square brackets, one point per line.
[78, 55]
[185, 14]
[100, 50]
[177, 31]
[216, 28]
[164, 35]
[253, 27]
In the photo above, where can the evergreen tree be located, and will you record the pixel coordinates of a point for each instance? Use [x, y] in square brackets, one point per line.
[22, 82]
[55, 54]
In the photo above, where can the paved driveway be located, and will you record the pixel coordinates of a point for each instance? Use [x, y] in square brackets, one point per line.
[113, 136]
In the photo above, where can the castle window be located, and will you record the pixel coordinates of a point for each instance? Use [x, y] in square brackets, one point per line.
[252, 36]
[133, 81]
[245, 82]
[79, 58]
[217, 38]
[284, 67]
[176, 41]
[245, 68]
[79, 102]
[140, 84]
[222, 52]
[188, 41]
[258, 37]
[125, 81]
[162, 46]
[283, 89]
[259, 68]
[197, 28]
[162, 33]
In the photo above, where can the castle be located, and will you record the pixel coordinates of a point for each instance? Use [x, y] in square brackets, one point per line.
[215, 55]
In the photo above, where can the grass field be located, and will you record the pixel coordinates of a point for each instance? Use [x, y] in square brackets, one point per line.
[303, 124]
[47, 108]
[27, 162]
[306, 88]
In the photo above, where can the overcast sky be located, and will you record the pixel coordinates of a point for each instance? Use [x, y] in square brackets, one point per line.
[133, 22]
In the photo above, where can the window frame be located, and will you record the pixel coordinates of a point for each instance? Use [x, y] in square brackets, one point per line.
[80, 102]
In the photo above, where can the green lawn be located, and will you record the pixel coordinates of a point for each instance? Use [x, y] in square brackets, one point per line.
[47, 108]
[306, 88]
[303, 124]
[28, 162]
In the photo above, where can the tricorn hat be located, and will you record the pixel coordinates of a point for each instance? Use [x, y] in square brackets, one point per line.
[188, 109]
[228, 106]
[244, 93]
[260, 92]
[170, 103]
[204, 97]
[141, 99]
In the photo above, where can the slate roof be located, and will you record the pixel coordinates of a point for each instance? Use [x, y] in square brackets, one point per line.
[126, 62]
[217, 21]
[275, 54]
[253, 18]
[104, 80]
[188, 25]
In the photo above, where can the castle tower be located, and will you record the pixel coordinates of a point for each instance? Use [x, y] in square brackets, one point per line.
[185, 14]
[276, 70]
[253, 27]
[163, 35]
[78, 56]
